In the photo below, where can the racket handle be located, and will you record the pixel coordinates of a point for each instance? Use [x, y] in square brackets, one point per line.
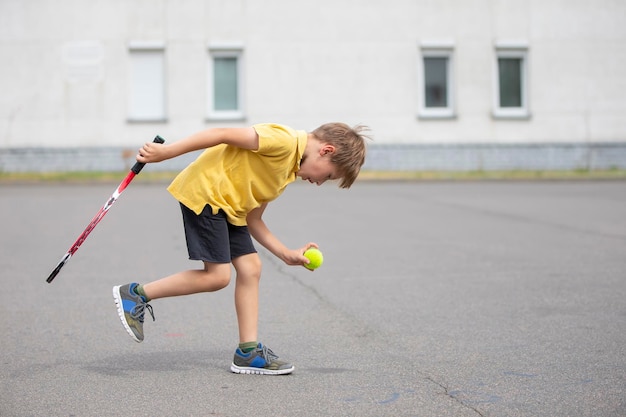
[139, 165]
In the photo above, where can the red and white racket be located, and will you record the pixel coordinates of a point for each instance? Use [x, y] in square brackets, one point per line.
[105, 208]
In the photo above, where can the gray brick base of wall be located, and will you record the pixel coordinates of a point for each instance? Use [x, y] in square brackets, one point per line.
[494, 157]
[409, 157]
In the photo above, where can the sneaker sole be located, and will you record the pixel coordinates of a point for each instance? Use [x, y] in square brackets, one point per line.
[120, 312]
[259, 371]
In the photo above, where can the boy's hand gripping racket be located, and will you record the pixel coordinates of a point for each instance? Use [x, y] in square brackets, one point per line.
[94, 222]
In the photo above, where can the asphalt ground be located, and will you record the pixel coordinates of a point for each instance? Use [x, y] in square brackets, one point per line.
[435, 299]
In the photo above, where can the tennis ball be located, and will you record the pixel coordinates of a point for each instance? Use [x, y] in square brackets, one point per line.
[316, 258]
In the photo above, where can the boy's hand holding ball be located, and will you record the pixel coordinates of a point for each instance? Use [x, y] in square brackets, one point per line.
[315, 258]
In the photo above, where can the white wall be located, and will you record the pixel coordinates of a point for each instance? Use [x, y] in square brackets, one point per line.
[311, 62]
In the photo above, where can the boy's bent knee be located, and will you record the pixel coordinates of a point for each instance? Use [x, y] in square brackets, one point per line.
[216, 276]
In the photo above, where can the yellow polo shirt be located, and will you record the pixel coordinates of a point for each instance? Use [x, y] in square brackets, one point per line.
[238, 180]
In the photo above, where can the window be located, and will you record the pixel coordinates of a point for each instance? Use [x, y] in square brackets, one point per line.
[225, 86]
[146, 101]
[436, 80]
[511, 80]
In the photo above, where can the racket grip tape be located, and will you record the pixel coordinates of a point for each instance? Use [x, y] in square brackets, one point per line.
[139, 165]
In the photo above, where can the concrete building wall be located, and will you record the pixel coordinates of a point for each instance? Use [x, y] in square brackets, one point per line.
[65, 72]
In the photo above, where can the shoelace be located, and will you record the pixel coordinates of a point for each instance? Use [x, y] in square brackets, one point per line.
[138, 312]
[267, 354]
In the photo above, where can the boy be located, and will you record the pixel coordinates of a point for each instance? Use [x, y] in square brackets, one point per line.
[223, 195]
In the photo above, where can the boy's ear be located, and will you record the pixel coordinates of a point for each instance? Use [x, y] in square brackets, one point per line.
[327, 149]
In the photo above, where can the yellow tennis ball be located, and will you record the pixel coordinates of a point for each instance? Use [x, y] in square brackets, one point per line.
[315, 257]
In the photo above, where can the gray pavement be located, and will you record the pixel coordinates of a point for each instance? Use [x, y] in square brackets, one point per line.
[435, 299]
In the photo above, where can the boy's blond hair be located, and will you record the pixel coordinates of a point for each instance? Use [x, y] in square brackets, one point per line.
[349, 143]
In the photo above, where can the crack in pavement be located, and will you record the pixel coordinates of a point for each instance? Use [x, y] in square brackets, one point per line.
[448, 394]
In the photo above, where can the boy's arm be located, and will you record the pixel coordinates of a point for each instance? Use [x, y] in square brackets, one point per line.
[259, 231]
[245, 138]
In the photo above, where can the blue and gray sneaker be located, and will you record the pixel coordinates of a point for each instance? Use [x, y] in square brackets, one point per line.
[131, 308]
[261, 361]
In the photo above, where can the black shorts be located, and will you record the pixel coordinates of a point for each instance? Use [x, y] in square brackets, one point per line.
[211, 238]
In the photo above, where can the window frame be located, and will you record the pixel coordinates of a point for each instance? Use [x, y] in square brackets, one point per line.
[516, 50]
[437, 49]
[139, 47]
[225, 50]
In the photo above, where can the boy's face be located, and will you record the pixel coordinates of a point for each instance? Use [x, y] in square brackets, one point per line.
[316, 166]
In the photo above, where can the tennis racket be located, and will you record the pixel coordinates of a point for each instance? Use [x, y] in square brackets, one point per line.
[136, 169]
